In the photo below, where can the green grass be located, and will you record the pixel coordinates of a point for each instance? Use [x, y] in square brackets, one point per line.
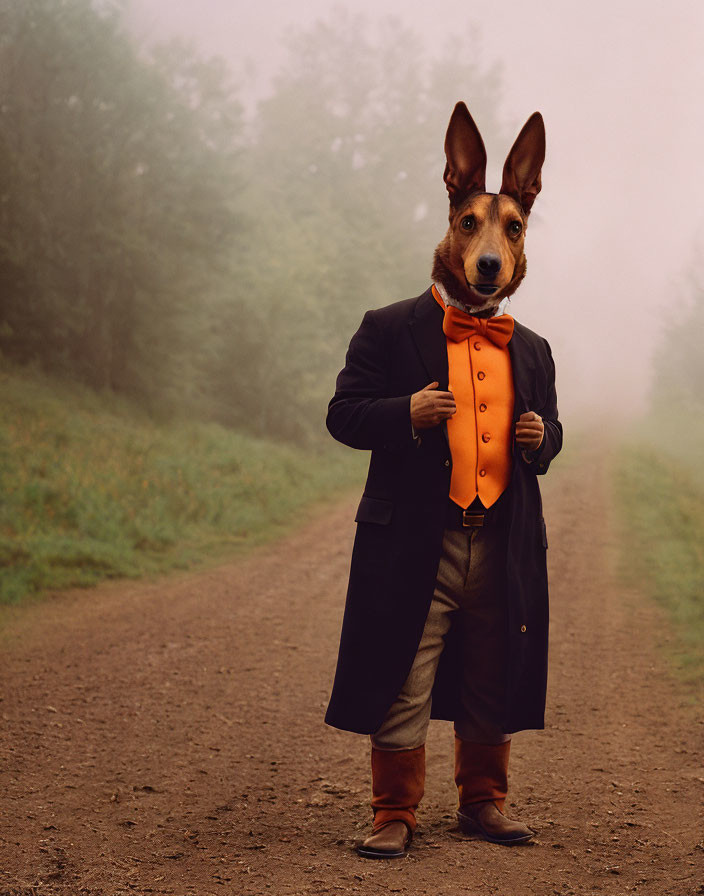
[93, 488]
[660, 491]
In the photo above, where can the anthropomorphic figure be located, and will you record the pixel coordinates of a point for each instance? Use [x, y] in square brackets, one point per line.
[447, 605]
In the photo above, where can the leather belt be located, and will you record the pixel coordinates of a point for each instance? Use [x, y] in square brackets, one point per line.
[476, 516]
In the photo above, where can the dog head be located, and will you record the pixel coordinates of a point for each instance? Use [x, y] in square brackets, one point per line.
[481, 259]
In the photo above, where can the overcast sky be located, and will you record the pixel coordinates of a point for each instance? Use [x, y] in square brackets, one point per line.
[620, 87]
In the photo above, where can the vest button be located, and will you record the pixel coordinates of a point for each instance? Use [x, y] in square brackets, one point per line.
[481, 375]
[485, 437]
[482, 407]
[482, 472]
[477, 345]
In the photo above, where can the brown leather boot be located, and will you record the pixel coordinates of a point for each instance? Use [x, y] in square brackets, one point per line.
[398, 781]
[484, 820]
[481, 775]
[390, 841]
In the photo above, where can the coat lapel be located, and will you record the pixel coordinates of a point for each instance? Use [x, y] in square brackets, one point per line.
[426, 329]
[523, 371]
[427, 333]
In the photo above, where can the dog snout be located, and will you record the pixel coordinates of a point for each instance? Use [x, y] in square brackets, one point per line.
[489, 265]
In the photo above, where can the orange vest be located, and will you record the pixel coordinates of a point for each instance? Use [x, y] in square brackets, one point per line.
[481, 431]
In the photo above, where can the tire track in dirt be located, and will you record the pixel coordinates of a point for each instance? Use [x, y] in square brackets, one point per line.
[167, 737]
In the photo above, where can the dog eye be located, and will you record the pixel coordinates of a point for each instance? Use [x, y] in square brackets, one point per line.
[467, 223]
[515, 227]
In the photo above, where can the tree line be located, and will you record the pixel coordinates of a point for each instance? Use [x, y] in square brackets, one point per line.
[156, 243]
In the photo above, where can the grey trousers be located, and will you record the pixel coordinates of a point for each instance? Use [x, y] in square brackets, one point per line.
[471, 566]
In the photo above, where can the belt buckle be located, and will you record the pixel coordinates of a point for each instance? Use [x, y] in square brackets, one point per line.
[472, 519]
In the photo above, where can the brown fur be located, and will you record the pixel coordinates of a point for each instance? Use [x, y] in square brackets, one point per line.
[454, 262]
[485, 224]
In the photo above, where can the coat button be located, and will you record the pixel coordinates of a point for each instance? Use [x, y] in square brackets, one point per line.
[482, 472]
[485, 437]
[523, 628]
[447, 463]
[481, 375]
[482, 407]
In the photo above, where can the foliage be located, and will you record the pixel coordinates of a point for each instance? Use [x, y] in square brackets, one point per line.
[662, 525]
[679, 361]
[119, 177]
[94, 489]
[351, 203]
[660, 483]
[155, 245]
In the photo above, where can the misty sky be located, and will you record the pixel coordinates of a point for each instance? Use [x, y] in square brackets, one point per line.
[621, 214]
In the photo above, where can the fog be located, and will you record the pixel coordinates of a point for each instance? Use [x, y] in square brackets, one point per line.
[618, 227]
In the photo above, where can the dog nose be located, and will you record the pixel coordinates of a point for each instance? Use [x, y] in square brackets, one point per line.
[488, 265]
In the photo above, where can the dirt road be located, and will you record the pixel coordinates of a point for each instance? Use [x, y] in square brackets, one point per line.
[167, 738]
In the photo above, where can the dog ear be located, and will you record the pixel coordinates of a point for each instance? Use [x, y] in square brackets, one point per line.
[465, 171]
[521, 178]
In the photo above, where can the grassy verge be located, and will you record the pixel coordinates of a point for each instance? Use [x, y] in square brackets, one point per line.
[93, 489]
[660, 491]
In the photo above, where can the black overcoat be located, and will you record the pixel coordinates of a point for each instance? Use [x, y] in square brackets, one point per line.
[401, 518]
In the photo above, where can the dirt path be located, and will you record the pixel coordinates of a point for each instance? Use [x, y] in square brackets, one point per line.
[167, 738]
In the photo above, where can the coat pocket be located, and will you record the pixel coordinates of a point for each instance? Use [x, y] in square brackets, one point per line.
[374, 510]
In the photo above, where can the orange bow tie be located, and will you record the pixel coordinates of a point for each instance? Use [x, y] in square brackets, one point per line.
[458, 325]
